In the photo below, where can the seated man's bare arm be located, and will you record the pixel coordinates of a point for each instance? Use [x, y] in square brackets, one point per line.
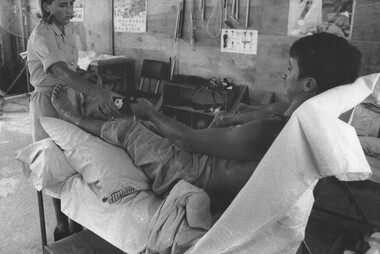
[274, 107]
[247, 113]
[225, 119]
[249, 141]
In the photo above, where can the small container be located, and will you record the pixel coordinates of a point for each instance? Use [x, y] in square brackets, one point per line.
[123, 105]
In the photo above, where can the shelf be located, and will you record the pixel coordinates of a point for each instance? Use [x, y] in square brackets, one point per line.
[109, 61]
[181, 85]
[111, 78]
[189, 109]
[186, 102]
[194, 87]
[117, 73]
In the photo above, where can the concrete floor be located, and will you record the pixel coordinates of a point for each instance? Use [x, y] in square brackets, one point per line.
[19, 222]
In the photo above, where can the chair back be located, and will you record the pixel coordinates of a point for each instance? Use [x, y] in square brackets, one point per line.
[152, 69]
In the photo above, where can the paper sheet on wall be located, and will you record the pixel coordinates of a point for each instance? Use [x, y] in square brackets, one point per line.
[239, 41]
[130, 16]
[78, 11]
[1, 51]
[312, 16]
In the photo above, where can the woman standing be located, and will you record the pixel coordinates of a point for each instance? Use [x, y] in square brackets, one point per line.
[52, 59]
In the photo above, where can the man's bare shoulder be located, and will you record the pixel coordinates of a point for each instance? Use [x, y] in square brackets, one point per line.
[263, 132]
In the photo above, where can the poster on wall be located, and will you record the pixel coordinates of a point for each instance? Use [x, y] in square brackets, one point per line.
[78, 11]
[239, 41]
[130, 16]
[313, 16]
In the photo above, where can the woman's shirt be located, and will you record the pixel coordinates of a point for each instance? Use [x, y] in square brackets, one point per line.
[48, 45]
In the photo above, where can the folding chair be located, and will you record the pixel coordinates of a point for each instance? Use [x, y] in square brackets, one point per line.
[152, 69]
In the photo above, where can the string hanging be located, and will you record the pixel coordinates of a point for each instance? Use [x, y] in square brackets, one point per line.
[217, 11]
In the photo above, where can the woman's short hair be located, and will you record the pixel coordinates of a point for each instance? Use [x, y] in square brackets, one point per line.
[329, 59]
[41, 12]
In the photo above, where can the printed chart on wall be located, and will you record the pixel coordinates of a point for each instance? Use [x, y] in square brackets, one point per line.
[130, 16]
[78, 11]
[313, 16]
[239, 41]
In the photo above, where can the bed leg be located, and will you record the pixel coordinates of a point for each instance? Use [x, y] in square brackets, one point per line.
[42, 218]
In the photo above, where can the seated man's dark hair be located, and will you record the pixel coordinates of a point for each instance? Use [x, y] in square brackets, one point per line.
[329, 59]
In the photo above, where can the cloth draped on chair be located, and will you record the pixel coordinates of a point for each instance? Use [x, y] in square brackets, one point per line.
[270, 213]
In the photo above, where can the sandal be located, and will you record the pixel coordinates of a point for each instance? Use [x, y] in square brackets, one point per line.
[59, 234]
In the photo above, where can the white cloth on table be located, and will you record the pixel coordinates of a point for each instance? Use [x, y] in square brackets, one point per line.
[86, 57]
[270, 213]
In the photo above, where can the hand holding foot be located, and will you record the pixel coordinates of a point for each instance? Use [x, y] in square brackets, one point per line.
[67, 112]
[105, 99]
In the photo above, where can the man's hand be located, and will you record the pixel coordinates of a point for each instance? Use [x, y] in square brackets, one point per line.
[222, 119]
[105, 99]
[142, 109]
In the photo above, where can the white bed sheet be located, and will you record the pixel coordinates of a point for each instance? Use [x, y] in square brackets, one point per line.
[124, 223]
[138, 222]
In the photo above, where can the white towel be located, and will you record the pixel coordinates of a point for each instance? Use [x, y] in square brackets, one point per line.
[86, 57]
[270, 213]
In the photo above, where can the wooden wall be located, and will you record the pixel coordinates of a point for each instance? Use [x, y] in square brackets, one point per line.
[260, 72]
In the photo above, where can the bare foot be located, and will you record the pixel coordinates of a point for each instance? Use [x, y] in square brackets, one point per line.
[63, 106]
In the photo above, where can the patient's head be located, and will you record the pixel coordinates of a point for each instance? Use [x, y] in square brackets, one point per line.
[327, 59]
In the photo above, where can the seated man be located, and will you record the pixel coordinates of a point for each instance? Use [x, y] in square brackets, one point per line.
[220, 160]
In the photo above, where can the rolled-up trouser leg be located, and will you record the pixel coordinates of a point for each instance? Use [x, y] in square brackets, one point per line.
[163, 162]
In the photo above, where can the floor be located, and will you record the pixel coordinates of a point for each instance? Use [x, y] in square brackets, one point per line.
[19, 223]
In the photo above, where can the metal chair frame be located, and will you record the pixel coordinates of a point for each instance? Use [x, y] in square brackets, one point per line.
[152, 69]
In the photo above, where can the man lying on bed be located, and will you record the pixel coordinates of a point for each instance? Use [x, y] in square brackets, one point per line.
[220, 160]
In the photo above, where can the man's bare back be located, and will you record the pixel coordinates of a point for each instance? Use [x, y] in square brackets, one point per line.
[228, 176]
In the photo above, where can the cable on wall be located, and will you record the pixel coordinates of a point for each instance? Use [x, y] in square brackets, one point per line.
[217, 11]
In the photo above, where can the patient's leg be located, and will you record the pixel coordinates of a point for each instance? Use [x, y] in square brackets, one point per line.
[163, 162]
[68, 112]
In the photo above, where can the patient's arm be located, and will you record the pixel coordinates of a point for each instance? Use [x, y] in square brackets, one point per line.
[249, 141]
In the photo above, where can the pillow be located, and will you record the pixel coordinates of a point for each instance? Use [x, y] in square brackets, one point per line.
[46, 166]
[100, 163]
[366, 121]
